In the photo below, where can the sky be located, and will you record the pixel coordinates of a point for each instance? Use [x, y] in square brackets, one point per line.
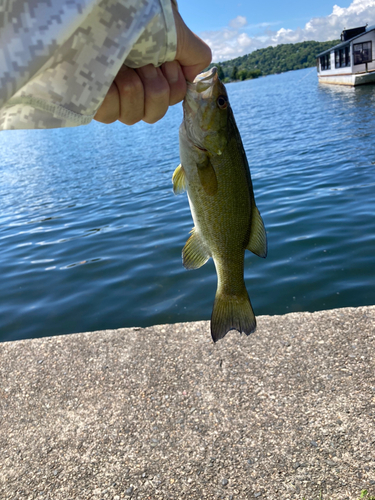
[233, 28]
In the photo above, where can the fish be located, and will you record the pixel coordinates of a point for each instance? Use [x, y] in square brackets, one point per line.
[215, 173]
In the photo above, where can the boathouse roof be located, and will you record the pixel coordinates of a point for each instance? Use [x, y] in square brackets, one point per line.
[343, 44]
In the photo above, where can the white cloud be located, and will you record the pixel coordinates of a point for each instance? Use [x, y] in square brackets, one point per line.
[238, 22]
[233, 41]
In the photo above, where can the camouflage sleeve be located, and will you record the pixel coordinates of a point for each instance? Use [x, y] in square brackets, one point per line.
[58, 58]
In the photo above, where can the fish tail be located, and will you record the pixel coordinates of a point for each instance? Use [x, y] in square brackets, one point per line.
[232, 312]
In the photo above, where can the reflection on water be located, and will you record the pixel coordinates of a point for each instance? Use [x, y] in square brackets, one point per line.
[91, 233]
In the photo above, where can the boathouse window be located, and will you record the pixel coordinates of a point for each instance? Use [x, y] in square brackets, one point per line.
[337, 58]
[325, 62]
[342, 57]
[347, 55]
[362, 52]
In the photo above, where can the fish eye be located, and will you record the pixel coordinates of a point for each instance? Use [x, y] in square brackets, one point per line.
[222, 101]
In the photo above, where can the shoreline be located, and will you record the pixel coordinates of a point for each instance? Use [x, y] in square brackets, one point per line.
[162, 412]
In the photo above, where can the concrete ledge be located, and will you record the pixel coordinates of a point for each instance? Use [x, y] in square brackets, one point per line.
[162, 412]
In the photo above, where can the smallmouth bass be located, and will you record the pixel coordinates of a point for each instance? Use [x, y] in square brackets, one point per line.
[215, 173]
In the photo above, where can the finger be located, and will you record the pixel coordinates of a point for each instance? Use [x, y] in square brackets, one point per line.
[110, 108]
[193, 54]
[156, 92]
[131, 92]
[176, 80]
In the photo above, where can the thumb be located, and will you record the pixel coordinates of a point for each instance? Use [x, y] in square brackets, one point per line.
[193, 54]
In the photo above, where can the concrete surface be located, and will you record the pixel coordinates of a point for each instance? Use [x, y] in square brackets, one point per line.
[163, 413]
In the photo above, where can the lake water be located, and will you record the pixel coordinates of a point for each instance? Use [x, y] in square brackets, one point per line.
[91, 232]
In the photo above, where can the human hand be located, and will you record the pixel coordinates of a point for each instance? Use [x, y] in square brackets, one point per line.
[146, 93]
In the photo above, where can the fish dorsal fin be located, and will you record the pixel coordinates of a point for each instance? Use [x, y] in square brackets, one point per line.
[195, 253]
[258, 238]
[207, 176]
[179, 180]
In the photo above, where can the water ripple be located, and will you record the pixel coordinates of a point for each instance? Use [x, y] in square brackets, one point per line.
[91, 233]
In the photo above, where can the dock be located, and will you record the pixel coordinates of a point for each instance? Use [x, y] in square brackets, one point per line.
[162, 412]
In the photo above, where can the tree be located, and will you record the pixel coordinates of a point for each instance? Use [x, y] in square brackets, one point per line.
[271, 60]
[234, 75]
[242, 75]
[220, 72]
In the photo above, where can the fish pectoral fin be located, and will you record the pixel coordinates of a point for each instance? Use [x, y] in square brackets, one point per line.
[195, 253]
[258, 238]
[207, 176]
[179, 180]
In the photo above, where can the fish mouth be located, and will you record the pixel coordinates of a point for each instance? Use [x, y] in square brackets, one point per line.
[203, 85]
[208, 75]
[205, 81]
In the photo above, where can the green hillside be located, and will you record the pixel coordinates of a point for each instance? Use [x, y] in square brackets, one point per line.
[272, 60]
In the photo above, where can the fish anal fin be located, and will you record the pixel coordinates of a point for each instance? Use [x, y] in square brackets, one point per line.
[258, 238]
[207, 177]
[194, 254]
[179, 180]
[232, 313]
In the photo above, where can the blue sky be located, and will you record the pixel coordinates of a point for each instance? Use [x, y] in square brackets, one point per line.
[234, 28]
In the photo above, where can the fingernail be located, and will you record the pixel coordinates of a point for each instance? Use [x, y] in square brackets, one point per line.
[171, 72]
[148, 71]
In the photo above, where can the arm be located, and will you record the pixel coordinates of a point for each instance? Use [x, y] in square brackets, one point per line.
[146, 93]
[58, 59]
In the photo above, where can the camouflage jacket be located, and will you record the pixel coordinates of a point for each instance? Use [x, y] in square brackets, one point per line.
[58, 58]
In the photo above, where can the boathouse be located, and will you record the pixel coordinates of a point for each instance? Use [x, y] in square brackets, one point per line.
[352, 61]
